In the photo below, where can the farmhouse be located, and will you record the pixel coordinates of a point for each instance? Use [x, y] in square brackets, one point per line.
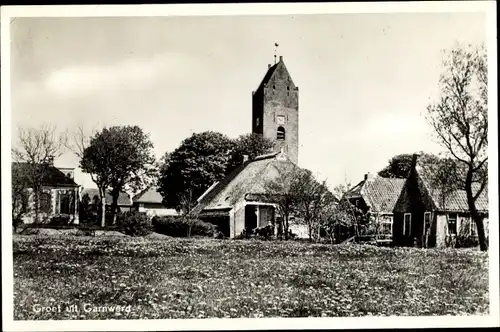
[377, 195]
[150, 201]
[234, 203]
[59, 192]
[426, 212]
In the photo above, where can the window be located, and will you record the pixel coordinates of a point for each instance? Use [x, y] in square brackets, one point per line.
[280, 134]
[288, 90]
[386, 227]
[452, 224]
[45, 203]
[66, 202]
[473, 228]
[427, 221]
[407, 224]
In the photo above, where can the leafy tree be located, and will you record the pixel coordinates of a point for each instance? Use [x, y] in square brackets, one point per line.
[252, 145]
[36, 149]
[399, 167]
[460, 120]
[201, 160]
[119, 157]
[195, 165]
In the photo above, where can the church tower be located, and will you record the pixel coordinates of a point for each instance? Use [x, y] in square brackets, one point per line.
[275, 110]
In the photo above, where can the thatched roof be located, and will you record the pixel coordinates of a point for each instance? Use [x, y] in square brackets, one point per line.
[250, 178]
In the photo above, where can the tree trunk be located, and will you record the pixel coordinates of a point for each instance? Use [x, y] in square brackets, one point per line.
[286, 226]
[36, 198]
[102, 193]
[473, 211]
[114, 205]
[310, 231]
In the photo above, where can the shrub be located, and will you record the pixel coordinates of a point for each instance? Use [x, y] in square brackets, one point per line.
[61, 220]
[178, 226]
[134, 223]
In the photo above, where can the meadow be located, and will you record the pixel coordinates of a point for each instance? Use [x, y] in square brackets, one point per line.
[158, 278]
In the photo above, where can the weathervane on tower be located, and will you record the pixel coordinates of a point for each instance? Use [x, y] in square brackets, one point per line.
[275, 47]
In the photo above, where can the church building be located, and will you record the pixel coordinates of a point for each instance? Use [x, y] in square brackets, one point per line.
[233, 203]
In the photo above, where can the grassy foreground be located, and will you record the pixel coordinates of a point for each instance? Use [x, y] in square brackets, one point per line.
[204, 278]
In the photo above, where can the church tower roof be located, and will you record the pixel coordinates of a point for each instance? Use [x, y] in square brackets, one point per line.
[272, 69]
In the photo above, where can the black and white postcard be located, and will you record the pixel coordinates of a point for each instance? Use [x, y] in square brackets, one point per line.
[249, 166]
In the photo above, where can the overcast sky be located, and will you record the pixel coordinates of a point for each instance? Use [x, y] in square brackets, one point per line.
[364, 79]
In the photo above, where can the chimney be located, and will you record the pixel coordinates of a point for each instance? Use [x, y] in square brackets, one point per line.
[281, 58]
[369, 176]
[245, 158]
[414, 160]
[50, 160]
[268, 65]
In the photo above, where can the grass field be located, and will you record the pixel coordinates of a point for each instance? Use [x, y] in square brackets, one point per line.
[205, 278]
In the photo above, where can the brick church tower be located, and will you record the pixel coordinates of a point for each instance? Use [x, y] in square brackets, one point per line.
[275, 110]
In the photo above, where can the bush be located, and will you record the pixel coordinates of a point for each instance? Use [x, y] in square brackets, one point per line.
[178, 226]
[134, 223]
[61, 220]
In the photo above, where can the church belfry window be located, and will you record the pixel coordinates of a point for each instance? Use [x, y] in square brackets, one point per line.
[280, 133]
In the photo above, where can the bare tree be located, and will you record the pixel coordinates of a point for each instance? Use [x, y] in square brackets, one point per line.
[312, 201]
[36, 150]
[460, 121]
[283, 192]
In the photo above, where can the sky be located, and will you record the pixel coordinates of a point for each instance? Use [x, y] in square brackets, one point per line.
[364, 79]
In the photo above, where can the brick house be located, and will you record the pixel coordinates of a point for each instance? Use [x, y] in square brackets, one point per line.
[377, 195]
[59, 194]
[426, 212]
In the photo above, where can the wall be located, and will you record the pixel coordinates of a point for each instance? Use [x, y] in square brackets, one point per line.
[29, 217]
[441, 230]
[153, 209]
[266, 214]
[239, 219]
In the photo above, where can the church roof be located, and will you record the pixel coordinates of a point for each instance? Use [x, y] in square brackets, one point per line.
[249, 178]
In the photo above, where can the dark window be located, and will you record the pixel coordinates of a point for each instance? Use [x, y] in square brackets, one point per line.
[473, 228]
[66, 202]
[280, 134]
[45, 203]
[452, 224]
[427, 219]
